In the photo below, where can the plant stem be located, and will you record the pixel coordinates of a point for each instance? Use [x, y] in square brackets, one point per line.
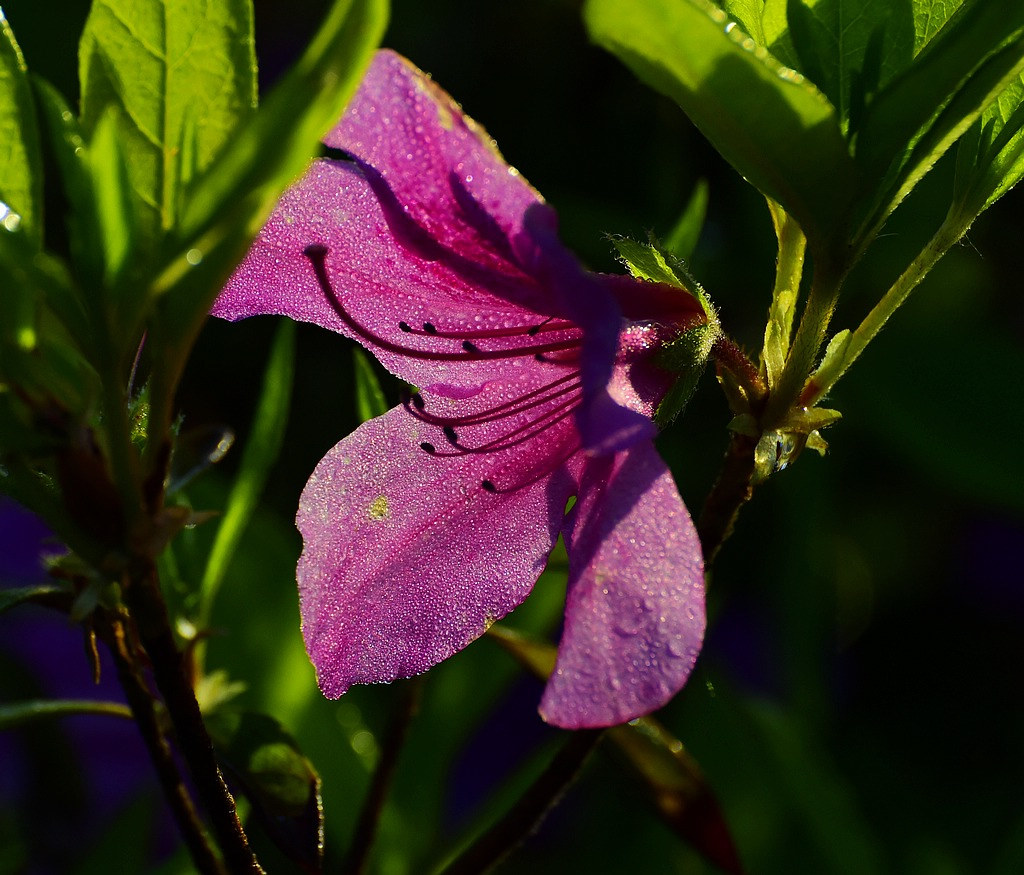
[142, 705]
[373, 805]
[730, 356]
[731, 491]
[810, 334]
[170, 673]
[505, 835]
[951, 230]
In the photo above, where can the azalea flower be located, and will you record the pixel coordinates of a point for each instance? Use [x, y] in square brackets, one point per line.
[537, 384]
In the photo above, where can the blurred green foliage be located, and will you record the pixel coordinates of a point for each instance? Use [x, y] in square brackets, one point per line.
[855, 708]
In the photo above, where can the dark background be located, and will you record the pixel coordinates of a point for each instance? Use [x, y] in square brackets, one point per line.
[858, 704]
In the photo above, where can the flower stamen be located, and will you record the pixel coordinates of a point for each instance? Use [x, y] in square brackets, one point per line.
[317, 255]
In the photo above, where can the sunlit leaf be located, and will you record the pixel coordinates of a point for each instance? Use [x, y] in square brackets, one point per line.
[833, 363]
[850, 48]
[929, 16]
[649, 261]
[113, 204]
[228, 204]
[180, 74]
[765, 21]
[923, 111]
[990, 160]
[769, 122]
[21, 180]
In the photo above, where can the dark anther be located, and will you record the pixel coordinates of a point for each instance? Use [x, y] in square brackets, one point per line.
[405, 327]
[429, 328]
[449, 433]
[428, 448]
[536, 328]
[336, 154]
[315, 251]
[539, 356]
[469, 347]
[417, 400]
[490, 487]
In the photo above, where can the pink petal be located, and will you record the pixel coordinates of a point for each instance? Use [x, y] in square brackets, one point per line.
[634, 619]
[442, 166]
[381, 280]
[407, 557]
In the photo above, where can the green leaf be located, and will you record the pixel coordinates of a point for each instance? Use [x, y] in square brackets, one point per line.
[114, 206]
[181, 75]
[789, 267]
[679, 394]
[370, 400]
[850, 48]
[923, 111]
[769, 122]
[649, 261]
[765, 21]
[261, 450]
[687, 354]
[682, 239]
[278, 780]
[777, 334]
[228, 204]
[39, 355]
[21, 713]
[929, 16]
[21, 172]
[70, 151]
[833, 363]
[990, 159]
[43, 593]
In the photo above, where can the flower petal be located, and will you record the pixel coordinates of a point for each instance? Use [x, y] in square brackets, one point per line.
[443, 167]
[634, 619]
[407, 557]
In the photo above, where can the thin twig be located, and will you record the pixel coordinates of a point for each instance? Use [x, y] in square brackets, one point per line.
[142, 704]
[731, 491]
[172, 680]
[509, 831]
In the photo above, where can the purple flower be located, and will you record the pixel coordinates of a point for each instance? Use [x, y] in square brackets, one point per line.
[537, 382]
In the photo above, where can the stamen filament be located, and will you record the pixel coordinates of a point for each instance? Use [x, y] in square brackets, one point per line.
[523, 433]
[317, 256]
[552, 323]
[529, 400]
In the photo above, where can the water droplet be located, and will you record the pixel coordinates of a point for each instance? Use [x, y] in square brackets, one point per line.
[627, 626]
[677, 647]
